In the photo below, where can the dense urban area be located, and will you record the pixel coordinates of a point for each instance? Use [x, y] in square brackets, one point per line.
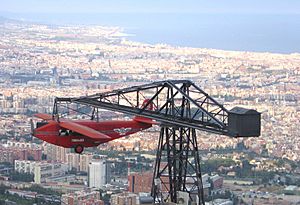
[40, 62]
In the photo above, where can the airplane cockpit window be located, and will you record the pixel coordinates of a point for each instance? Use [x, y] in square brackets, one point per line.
[65, 132]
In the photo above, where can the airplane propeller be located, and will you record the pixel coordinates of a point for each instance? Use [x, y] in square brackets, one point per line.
[31, 127]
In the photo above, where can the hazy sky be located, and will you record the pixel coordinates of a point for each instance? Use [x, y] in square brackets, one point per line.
[125, 6]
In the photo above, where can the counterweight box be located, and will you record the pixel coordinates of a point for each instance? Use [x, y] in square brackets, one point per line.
[244, 122]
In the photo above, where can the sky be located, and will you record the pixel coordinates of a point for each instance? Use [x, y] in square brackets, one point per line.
[151, 6]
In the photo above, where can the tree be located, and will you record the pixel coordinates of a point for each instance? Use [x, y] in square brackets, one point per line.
[39, 189]
[3, 189]
[22, 177]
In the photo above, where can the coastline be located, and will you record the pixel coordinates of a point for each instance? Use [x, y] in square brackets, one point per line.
[254, 33]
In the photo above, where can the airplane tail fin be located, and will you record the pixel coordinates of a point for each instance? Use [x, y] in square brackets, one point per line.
[147, 105]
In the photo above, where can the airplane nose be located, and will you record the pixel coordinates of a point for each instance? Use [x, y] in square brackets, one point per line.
[41, 136]
[37, 135]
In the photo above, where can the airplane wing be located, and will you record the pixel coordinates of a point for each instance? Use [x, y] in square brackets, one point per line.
[84, 130]
[43, 116]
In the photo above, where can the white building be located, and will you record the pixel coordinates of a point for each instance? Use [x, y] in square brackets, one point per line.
[40, 169]
[97, 173]
[25, 166]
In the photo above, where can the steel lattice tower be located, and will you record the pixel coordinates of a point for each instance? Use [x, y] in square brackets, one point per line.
[182, 171]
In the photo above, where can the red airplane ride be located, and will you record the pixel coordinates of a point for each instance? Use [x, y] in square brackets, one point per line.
[78, 134]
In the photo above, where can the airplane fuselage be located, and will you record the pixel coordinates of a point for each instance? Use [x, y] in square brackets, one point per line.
[53, 133]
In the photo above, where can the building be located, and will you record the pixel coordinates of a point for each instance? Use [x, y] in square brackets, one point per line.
[125, 198]
[292, 190]
[73, 161]
[56, 153]
[25, 166]
[79, 162]
[19, 151]
[41, 170]
[64, 155]
[29, 150]
[23, 194]
[145, 199]
[97, 173]
[10, 155]
[206, 184]
[84, 161]
[140, 182]
[217, 182]
[26, 145]
[84, 197]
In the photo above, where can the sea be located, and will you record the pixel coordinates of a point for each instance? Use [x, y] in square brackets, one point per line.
[275, 33]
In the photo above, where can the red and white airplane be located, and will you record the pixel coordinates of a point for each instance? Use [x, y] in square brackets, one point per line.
[78, 134]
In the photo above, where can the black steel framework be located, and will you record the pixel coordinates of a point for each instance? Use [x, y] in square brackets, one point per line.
[181, 108]
[181, 171]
